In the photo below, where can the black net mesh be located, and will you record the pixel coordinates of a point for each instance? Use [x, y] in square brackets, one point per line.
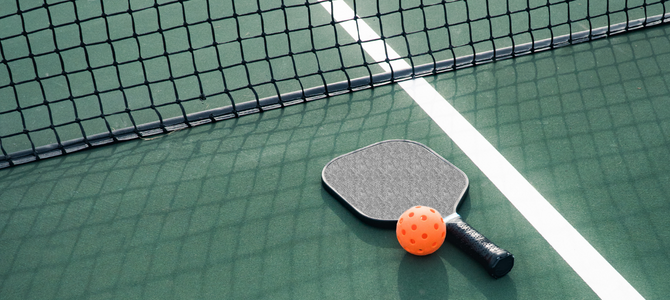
[76, 74]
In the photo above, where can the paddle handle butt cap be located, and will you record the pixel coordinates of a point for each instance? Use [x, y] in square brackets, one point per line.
[497, 261]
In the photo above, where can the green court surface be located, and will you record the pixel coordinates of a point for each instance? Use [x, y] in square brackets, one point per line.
[235, 209]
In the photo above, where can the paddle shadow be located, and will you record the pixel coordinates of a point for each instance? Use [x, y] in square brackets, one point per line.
[378, 237]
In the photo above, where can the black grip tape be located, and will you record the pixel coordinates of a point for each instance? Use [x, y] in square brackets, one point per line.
[497, 261]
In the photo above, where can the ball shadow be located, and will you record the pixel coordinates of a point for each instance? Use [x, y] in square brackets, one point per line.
[422, 277]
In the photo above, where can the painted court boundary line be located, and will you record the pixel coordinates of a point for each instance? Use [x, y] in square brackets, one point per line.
[598, 274]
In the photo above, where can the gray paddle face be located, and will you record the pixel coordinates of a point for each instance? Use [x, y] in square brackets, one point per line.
[381, 181]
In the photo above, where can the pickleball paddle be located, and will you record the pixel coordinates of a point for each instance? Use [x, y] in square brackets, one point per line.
[379, 182]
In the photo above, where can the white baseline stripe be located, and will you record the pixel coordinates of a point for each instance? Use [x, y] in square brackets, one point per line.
[605, 281]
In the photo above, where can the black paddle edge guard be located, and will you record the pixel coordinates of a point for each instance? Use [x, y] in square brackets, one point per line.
[310, 94]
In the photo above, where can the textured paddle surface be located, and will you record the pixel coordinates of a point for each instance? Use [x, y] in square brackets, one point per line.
[383, 180]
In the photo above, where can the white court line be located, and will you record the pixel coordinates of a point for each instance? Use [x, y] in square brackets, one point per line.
[605, 281]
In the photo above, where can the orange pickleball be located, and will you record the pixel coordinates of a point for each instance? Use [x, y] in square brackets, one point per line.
[421, 230]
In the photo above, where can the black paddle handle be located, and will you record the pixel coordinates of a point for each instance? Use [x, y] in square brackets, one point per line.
[497, 261]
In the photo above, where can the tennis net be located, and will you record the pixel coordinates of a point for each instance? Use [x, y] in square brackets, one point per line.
[78, 74]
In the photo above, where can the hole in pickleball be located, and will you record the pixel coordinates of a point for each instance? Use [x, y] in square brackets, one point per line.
[424, 236]
[423, 218]
[436, 226]
[413, 226]
[411, 214]
[412, 241]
